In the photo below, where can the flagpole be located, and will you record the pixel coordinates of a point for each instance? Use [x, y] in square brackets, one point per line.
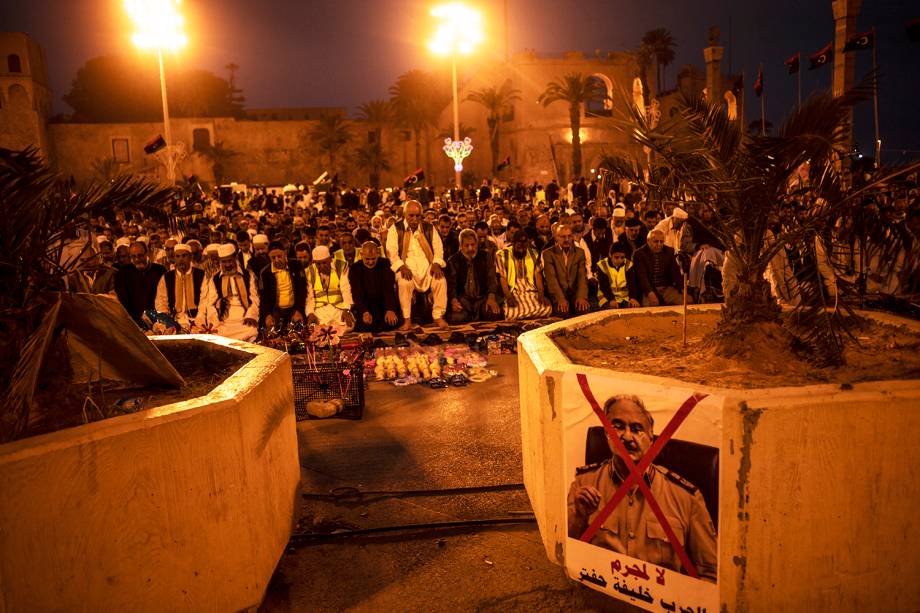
[763, 117]
[799, 75]
[878, 138]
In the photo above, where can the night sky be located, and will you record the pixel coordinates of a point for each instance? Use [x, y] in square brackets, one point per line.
[345, 52]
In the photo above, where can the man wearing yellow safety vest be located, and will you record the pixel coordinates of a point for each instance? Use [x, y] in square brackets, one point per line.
[521, 277]
[617, 287]
[328, 290]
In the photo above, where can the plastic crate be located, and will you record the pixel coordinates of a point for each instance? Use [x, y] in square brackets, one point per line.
[325, 381]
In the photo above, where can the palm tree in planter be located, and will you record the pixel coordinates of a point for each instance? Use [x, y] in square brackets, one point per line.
[41, 212]
[706, 160]
[498, 102]
[329, 135]
[575, 89]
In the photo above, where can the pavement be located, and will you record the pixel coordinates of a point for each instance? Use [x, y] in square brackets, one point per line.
[412, 444]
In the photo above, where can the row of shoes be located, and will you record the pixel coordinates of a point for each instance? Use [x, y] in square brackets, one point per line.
[474, 339]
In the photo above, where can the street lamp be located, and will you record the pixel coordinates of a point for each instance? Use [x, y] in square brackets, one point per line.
[459, 31]
[159, 26]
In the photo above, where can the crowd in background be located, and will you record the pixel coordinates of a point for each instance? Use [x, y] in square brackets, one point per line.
[373, 260]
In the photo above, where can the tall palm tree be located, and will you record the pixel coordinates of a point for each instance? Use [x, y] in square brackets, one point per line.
[498, 103]
[329, 135]
[419, 98]
[660, 43]
[377, 114]
[372, 158]
[576, 89]
[744, 181]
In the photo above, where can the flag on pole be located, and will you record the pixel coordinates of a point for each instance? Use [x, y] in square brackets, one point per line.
[758, 84]
[793, 63]
[154, 144]
[415, 177]
[505, 163]
[822, 57]
[321, 178]
[866, 40]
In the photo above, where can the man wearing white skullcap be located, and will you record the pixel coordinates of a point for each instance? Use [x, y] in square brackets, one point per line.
[180, 289]
[676, 231]
[232, 308]
[328, 290]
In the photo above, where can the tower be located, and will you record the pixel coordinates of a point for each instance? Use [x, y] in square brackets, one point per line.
[25, 94]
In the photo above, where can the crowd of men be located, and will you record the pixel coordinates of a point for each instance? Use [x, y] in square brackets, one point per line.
[373, 261]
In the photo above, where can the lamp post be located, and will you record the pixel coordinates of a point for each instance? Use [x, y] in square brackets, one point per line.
[459, 31]
[159, 26]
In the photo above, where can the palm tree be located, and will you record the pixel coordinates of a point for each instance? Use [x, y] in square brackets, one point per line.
[219, 156]
[660, 43]
[498, 103]
[372, 158]
[40, 211]
[377, 114]
[576, 89]
[744, 181]
[329, 135]
[418, 98]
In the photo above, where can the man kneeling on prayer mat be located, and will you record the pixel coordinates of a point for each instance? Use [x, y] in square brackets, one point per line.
[471, 282]
[180, 290]
[521, 277]
[417, 257]
[233, 299]
[284, 289]
[328, 290]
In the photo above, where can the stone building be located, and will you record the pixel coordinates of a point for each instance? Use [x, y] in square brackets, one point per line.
[25, 94]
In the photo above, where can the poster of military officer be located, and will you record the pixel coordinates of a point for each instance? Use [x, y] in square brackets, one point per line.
[651, 542]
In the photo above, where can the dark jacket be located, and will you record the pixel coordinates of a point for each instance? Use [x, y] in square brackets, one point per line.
[599, 248]
[643, 264]
[450, 244]
[483, 268]
[137, 289]
[567, 282]
[268, 289]
[373, 290]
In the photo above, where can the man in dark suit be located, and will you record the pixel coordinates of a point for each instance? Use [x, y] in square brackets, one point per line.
[657, 272]
[136, 283]
[373, 291]
[472, 284]
[566, 274]
[598, 241]
[282, 289]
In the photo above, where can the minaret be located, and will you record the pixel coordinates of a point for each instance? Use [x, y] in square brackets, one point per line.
[845, 14]
[713, 55]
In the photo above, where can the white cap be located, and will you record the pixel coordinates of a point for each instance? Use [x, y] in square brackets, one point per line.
[212, 248]
[182, 248]
[619, 213]
[320, 253]
[227, 250]
[619, 205]
[142, 239]
[123, 242]
[679, 213]
[260, 239]
[102, 238]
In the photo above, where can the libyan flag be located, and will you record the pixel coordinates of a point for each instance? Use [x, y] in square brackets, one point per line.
[415, 177]
[822, 57]
[866, 40]
[758, 84]
[505, 163]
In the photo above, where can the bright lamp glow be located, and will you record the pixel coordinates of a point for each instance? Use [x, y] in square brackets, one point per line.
[460, 29]
[158, 23]
[458, 150]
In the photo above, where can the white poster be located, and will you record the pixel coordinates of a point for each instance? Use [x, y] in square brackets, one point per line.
[642, 464]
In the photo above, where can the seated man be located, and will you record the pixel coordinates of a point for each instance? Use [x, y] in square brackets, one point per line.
[347, 251]
[471, 282]
[657, 272]
[373, 288]
[179, 291]
[232, 308]
[566, 274]
[617, 286]
[283, 294]
[328, 290]
[416, 256]
[521, 277]
[136, 283]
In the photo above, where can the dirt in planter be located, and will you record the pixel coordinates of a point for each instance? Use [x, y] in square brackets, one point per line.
[62, 402]
[653, 345]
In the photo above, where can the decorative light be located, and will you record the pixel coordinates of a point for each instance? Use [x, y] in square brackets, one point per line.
[458, 150]
[460, 29]
[158, 22]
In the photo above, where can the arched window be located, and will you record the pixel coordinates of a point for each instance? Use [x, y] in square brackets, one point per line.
[602, 107]
[13, 63]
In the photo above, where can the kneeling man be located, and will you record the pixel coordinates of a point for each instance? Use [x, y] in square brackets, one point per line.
[328, 290]
[233, 299]
[471, 282]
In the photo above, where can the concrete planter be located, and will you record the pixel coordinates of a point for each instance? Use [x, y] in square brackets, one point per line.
[183, 507]
[817, 485]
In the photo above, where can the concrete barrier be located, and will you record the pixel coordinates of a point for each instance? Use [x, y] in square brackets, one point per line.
[817, 485]
[183, 507]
